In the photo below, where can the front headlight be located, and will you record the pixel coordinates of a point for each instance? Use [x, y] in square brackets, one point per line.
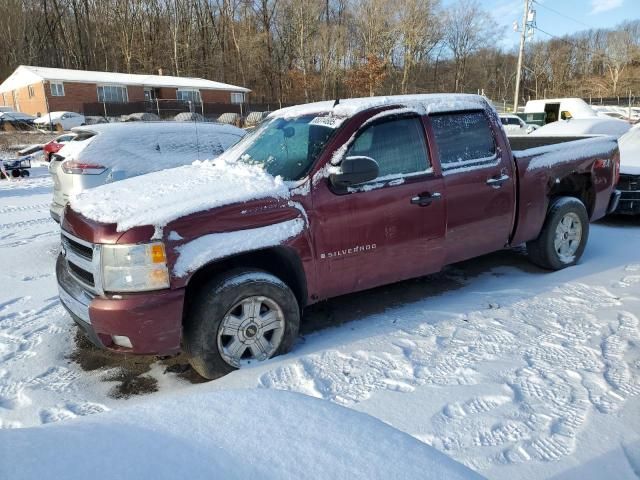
[134, 268]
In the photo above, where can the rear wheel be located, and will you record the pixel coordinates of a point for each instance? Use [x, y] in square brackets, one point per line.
[564, 235]
[239, 318]
[24, 173]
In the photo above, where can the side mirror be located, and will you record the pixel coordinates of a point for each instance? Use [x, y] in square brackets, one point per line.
[355, 170]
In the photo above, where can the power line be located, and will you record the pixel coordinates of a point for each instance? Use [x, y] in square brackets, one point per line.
[562, 14]
[567, 41]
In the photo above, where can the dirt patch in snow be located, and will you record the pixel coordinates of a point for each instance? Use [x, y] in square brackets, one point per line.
[131, 371]
[130, 384]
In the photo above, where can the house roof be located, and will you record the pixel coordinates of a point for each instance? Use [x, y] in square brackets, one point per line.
[27, 75]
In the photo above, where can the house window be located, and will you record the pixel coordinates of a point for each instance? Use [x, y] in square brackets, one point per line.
[149, 94]
[30, 90]
[192, 96]
[57, 89]
[112, 94]
[237, 97]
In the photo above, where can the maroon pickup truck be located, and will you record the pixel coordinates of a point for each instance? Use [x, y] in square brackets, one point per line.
[218, 259]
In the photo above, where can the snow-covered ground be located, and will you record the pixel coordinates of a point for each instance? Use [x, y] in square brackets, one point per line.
[515, 372]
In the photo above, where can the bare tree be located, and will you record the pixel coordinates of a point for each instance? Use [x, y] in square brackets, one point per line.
[468, 29]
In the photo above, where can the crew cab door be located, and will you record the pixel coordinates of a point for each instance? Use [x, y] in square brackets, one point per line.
[388, 229]
[479, 184]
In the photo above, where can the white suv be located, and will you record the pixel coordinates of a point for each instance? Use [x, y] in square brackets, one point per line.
[110, 152]
[514, 125]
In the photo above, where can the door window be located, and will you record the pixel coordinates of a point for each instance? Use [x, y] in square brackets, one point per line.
[398, 145]
[463, 139]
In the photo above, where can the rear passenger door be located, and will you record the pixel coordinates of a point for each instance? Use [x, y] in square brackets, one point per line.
[478, 184]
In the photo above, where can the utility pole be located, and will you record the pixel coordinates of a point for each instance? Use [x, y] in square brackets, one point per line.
[523, 35]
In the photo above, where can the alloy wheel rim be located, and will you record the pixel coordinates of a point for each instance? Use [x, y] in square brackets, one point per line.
[251, 330]
[568, 237]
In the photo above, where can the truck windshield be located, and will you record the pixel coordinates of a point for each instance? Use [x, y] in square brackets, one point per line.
[285, 146]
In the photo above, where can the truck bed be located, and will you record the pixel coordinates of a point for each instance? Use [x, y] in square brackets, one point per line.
[525, 142]
[544, 164]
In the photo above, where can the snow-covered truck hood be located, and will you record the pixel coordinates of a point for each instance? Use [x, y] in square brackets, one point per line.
[160, 197]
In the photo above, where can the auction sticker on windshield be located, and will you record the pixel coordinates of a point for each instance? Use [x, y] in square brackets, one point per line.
[327, 121]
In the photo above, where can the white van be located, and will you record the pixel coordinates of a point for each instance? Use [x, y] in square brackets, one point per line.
[560, 109]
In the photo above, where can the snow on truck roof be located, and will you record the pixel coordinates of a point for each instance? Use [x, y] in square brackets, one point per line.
[27, 75]
[423, 103]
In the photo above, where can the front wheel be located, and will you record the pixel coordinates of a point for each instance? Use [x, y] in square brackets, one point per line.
[239, 318]
[564, 235]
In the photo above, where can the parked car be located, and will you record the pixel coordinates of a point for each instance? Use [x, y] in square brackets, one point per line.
[141, 117]
[190, 117]
[66, 120]
[584, 126]
[229, 118]
[318, 201]
[514, 125]
[53, 146]
[17, 120]
[110, 152]
[629, 183]
[254, 118]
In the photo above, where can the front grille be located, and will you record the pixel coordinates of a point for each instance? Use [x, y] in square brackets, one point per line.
[629, 183]
[82, 250]
[85, 276]
[79, 261]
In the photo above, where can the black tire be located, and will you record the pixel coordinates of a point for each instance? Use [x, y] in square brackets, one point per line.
[15, 173]
[215, 299]
[24, 173]
[542, 250]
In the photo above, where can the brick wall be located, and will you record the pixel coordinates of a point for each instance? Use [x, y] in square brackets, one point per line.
[215, 96]
[21, 100]
[75, 95]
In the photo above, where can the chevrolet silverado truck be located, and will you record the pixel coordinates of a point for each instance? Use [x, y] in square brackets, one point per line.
[218, 259]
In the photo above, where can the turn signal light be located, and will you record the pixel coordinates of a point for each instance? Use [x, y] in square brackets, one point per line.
[157, 253]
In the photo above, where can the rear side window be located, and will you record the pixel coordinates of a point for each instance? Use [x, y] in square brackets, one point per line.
[463, 138]
[398, 145]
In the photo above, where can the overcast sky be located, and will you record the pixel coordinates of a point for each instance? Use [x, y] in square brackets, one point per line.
[585, 14]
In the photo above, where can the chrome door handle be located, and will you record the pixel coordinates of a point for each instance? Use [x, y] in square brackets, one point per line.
[497, 182]
[425, 198]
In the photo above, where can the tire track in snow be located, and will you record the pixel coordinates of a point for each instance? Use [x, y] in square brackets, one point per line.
[24, 208]
[25, 223]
